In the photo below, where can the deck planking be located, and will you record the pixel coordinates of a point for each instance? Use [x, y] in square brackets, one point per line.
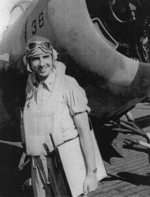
[129, 176]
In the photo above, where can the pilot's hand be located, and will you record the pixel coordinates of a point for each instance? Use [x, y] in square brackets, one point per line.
[90, 183]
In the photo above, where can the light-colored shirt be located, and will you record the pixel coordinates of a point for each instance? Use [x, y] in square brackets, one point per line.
[73, 101]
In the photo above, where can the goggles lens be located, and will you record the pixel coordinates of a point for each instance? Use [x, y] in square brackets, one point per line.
[33, 45]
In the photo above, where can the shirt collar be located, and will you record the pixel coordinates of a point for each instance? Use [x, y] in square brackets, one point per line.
[48, 82]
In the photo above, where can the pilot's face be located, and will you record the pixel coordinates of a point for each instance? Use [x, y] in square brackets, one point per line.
[42, 65]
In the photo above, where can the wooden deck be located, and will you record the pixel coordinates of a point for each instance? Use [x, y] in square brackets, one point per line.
[129, 176]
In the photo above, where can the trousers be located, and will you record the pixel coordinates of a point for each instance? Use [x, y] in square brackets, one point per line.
[39, 176]
[48, 178]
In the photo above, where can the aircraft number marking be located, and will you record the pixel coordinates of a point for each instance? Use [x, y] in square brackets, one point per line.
[39, 22]
[41, 19]
[34, 27]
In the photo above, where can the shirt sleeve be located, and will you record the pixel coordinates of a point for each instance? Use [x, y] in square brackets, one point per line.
[75, 96]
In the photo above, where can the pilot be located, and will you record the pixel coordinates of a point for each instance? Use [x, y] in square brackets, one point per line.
[57, 105]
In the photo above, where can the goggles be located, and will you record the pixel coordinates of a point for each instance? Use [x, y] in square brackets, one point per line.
[34, 45]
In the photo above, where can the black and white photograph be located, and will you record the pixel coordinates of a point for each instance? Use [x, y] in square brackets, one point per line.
[74, 98]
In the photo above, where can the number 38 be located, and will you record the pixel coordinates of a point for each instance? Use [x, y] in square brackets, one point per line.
[39, 22]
